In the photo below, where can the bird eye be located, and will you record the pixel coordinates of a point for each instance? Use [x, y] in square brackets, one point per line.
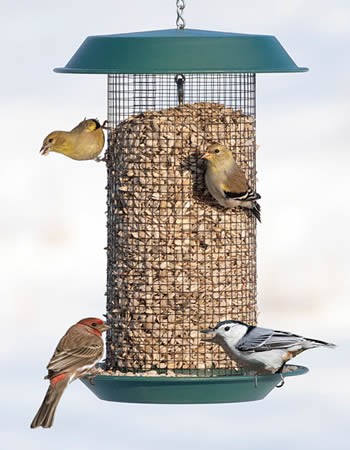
[50, 140]
[217, 151]
[94, 324]
[227, 328]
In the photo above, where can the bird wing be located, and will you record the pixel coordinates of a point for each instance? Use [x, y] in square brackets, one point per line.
[263, 339]
[234, 180]
[235, 185]
[70, 358]
[248, 195]
[75, 350]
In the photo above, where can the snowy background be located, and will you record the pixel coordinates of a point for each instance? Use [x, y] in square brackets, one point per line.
[52, 226]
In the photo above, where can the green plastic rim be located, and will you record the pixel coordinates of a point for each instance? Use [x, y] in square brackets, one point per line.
[178, 51]
[187, 389]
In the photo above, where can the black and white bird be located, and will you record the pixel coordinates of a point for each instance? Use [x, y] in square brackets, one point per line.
[226, 181]
[260, 350]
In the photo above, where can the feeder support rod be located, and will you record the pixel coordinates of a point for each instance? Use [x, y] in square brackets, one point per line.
[180, 81]
[180, 22]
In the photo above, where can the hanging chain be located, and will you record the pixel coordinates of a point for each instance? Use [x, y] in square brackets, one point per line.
[180, 22]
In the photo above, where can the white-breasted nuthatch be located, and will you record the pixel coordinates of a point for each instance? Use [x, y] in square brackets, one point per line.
[260, 350]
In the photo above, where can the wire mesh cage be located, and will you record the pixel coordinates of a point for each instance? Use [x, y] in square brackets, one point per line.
[177, 261]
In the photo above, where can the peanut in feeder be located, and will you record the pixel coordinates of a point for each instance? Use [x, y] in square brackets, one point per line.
[179, 259]
[176, 260]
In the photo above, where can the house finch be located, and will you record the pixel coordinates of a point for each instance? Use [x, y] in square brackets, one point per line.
[226, 181]
[83, 142]
[76, 353]
[261, 350]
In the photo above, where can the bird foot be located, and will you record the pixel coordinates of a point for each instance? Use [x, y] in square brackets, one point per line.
[98, 159]
[90, 376]
[281, 383]
[104, 126]
[256, 381]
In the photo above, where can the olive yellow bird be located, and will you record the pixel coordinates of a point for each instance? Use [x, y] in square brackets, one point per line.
[83, 142]
[226, 181]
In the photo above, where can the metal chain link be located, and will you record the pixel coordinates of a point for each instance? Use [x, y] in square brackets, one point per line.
[180, 22]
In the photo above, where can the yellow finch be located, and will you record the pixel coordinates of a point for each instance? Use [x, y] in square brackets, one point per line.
[83, 142]
[226, 181]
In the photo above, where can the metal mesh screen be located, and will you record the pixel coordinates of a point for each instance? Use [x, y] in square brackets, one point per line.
[177, 261]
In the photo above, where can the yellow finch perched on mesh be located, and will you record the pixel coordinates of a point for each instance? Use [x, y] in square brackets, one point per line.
[83, 142]
[226, 181]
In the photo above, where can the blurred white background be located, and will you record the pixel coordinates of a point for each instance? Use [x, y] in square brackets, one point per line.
[53, 224]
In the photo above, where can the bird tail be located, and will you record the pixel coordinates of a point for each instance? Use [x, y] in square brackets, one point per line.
[256, 210]
[44, 417]
[311, 343]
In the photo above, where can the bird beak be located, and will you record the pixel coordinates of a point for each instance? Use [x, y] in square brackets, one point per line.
[206, 155]
[210, 335]
[104, 327]
[44, 151]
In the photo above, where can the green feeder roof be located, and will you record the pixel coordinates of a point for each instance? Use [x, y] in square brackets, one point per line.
[180, 50]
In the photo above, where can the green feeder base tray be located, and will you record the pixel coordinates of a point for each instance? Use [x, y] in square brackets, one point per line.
[187, 389]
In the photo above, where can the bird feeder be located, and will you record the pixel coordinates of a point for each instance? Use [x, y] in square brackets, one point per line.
[177, 262]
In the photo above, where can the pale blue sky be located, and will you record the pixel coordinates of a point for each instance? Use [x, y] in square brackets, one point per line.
[53, 224]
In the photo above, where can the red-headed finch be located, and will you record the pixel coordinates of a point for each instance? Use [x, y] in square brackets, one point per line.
[226, 181]
[76, 353]
[83, 142]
